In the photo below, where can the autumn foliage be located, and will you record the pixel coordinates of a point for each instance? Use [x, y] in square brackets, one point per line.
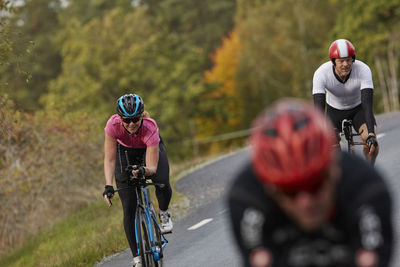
[222, 77]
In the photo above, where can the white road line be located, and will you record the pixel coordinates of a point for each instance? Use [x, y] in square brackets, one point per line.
[380, 135]
[200, 224]
[222, 211]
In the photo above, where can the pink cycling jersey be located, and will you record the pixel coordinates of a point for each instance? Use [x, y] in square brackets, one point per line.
[147, 135]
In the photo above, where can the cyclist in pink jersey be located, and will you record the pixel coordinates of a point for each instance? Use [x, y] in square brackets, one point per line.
[132, 138]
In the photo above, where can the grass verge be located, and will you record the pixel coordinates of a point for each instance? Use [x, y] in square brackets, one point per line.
[79, 240]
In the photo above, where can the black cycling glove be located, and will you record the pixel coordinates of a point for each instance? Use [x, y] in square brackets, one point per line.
[371, 140]
[142, 171]
[109, 191]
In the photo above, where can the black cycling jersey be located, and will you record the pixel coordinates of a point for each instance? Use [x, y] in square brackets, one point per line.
[361, 220]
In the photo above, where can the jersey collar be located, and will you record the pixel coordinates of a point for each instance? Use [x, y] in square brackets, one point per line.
[337, 76]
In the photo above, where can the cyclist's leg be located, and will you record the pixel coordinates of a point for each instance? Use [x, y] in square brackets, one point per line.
[124, 157]
[336, 116]
[128, 200]
[163, 194]
[162, 176]
[361, 127]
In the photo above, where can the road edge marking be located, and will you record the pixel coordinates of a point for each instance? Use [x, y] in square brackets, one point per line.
[200, 224]
[380, 135]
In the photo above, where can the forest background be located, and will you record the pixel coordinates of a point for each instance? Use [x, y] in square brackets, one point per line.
[205, 69]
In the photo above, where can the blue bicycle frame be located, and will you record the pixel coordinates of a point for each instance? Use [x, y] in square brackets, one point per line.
[144, 203]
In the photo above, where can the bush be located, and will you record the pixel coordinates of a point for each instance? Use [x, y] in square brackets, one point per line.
[49, 167]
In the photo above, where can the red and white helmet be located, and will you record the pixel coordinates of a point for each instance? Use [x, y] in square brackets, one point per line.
[341, 48]
[292, 145]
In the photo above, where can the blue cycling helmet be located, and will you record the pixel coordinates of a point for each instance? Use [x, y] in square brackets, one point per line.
[130, 105]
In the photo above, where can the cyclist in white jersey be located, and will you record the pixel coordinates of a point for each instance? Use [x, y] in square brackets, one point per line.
[345, 86]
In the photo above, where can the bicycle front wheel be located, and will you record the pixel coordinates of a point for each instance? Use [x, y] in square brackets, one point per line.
[143, 239]
[158, 255]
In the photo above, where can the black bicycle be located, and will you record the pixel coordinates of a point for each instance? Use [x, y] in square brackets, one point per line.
[347, 131]
[149, 238]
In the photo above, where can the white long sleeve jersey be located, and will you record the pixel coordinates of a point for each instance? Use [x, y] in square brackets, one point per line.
[342, 95]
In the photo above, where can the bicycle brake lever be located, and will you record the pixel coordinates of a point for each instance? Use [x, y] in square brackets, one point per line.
[109, 196]
[131, 168]
[136, 167]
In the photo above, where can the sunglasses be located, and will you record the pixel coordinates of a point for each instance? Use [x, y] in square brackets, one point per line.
[312, 189]
[128, 120]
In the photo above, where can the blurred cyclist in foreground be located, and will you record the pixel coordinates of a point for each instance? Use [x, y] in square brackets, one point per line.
[301, 202]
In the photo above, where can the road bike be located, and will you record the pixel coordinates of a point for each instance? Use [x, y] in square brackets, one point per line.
[347, 132]
[149, 238]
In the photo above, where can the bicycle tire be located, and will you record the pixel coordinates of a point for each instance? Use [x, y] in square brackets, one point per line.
[143, 239]
[348, 134]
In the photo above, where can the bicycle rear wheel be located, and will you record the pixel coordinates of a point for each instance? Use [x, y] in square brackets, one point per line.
[143, 239]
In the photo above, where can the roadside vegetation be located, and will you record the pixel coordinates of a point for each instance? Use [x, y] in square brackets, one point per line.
[205, 69]
[93, 232]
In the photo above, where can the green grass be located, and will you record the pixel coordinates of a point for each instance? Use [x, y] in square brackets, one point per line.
[96, 231]
[79, 240]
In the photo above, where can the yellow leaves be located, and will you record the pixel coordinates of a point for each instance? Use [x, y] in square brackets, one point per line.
[223, 99]
[225, 64]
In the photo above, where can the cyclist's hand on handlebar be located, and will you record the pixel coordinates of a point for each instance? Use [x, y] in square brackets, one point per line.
[108, 194]
[372, 143]
[138, 171]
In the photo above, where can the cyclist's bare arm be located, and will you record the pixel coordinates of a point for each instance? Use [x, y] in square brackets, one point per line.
[110, 151]
[151, 160]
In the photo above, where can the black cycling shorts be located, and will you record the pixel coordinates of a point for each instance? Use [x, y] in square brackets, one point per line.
[356, 114]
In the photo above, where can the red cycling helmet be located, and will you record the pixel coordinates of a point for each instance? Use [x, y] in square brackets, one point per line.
[292, 146]
[341, 48]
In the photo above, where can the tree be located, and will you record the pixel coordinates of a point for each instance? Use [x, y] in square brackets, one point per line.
[5, 46]
[199, 23]
[127, 53]
[281, 48]
[375, 33]
[224, 111]
[101, 60]
[85, 11]
[33, 60]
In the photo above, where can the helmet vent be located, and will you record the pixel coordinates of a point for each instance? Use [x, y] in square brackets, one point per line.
[271, 132]
[300, 124]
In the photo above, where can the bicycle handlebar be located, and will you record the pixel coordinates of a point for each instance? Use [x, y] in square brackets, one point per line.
[141, 180]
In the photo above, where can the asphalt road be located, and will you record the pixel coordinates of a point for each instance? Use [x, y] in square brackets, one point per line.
[202, 238]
